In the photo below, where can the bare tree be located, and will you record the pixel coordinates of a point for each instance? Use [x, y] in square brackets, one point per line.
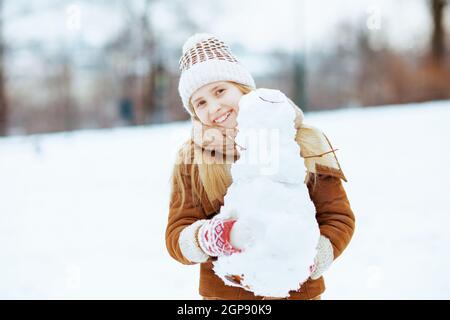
[137, 44]
[438, 36]
[3, 102]
[148, 47]
[65, 99]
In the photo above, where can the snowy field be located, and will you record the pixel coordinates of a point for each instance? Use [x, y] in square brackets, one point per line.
[83, 214]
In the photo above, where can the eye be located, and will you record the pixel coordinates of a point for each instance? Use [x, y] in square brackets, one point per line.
[200, 103]
[220, 90]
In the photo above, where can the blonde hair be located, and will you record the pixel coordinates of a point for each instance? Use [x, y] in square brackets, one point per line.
[212, 178]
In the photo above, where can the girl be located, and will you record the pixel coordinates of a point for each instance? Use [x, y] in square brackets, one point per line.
[212, 82]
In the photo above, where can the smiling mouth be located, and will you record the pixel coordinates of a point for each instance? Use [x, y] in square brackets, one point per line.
[222, 118]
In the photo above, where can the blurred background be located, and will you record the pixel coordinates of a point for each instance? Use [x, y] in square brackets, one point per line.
[91, 119]
[69, 65]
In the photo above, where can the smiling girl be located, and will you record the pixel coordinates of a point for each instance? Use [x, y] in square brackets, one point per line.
[211, 84]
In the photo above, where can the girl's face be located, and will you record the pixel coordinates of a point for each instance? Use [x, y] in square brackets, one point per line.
[217, 104]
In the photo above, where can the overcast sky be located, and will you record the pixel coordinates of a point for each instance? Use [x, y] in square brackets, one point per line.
[258, 25]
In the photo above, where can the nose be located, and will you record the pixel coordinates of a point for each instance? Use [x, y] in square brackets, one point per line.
[215, 109]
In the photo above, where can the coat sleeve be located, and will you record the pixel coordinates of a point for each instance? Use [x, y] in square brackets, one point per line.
[183, 224]
[333, 212]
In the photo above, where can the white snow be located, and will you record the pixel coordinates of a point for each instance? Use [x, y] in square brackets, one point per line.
[83, 215]
[273, 204]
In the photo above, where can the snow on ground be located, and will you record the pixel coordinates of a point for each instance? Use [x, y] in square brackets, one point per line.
[83, 214]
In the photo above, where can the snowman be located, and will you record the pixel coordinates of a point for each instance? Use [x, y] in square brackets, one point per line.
[276, 231]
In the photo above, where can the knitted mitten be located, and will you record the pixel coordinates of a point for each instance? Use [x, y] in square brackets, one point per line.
[323, 259]
[214, 237]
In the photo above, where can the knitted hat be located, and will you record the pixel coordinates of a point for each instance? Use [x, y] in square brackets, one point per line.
[207, 59]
